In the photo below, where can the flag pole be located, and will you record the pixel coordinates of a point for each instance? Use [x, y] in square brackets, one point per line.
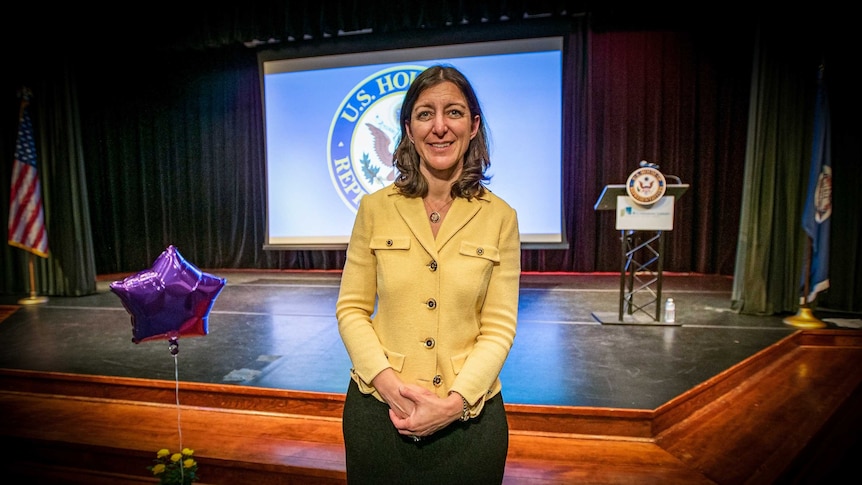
[804, 317]
[26, 216]
[817, 213]
[32, 299]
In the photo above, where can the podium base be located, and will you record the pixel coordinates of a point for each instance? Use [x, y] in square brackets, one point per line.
[613, 318]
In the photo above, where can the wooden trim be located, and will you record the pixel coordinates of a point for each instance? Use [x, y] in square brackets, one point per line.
[777, 413]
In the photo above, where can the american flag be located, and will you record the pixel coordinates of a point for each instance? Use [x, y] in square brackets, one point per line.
[26, 215]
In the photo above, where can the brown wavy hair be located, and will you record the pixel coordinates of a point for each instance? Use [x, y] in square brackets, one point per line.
[471, 183]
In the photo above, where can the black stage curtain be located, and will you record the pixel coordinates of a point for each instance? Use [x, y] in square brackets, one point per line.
[789, 53]
[670, 98]
[164, 136]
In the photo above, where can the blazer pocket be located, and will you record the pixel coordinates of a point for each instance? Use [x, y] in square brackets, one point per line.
[396, 360]
[382, 243]
[491, 253]
[458, 362]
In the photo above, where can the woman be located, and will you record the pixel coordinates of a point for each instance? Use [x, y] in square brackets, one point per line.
[428, 302]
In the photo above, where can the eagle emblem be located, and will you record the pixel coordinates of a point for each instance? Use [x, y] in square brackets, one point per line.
[646, 185]
[360, 151]
[381, 149]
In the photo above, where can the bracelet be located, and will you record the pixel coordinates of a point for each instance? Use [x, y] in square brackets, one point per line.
[465, 412]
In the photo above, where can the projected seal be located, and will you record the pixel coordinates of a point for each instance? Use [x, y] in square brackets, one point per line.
[364, 133]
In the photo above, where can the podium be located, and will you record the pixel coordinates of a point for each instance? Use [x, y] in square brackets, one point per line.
[642, 230]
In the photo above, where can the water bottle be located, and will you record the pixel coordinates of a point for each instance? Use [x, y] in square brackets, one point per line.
[669, 311]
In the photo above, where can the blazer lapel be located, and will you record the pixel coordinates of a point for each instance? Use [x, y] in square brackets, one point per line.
[458, 216]
[412, 211]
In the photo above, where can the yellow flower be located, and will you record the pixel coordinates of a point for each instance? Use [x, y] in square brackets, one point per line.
[175, 468]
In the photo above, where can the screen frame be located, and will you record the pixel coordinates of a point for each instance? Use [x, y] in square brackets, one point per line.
[351, 51]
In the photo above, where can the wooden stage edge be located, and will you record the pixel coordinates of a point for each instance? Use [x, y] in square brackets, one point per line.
[784, 414]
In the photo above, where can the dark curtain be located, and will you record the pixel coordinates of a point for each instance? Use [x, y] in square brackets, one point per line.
[677, 99]
[187, 169]
[779, 133]
[160, 124]
[70, 269]
[772, 248]
[845, 264]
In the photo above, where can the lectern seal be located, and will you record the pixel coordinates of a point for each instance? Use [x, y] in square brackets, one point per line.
[646, 186]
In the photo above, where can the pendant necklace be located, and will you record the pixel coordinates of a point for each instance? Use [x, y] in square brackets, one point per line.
[434, 217]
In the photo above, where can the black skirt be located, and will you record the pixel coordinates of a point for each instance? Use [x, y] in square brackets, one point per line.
[471, 452]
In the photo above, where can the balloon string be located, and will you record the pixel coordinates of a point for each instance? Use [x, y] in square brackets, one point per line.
[179, 421]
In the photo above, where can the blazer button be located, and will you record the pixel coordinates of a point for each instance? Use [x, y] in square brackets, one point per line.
[429, 343]
[480, 251]
[433, 266]
[389, 242]
[438, 379]
[432, 303]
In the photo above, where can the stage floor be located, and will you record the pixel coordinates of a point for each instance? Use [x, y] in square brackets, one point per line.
[278, 330]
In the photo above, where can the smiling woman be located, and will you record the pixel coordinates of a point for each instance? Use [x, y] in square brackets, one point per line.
[428, 302]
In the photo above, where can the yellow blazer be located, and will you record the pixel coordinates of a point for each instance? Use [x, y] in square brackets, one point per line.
[441, 312]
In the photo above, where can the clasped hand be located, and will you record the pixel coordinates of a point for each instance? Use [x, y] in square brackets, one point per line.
[419, 412]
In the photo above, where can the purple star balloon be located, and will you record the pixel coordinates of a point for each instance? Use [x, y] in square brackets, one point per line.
[171, 299]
